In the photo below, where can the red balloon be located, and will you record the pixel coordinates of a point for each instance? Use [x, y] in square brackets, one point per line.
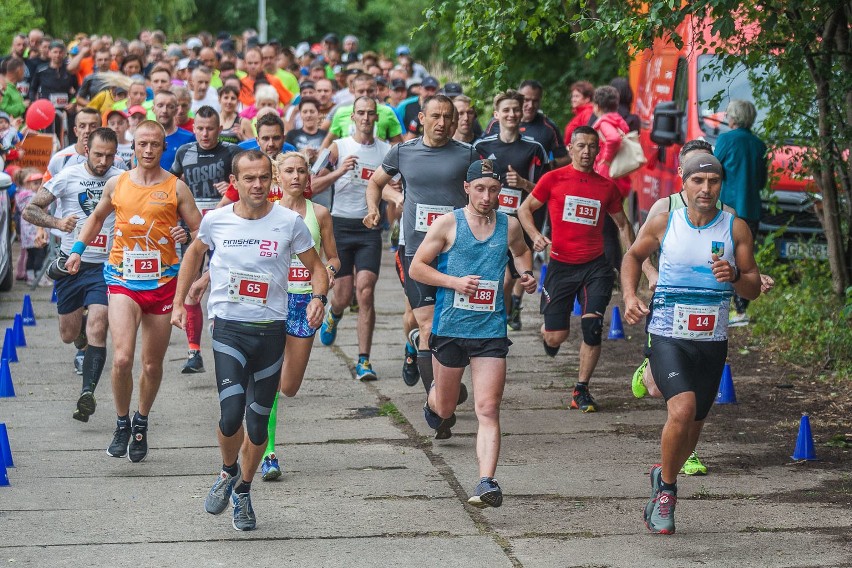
[40, 114]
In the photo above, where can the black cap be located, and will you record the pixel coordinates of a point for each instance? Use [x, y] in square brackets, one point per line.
[397, 84]
[380, 80]
[481, 169]
[430, 82]
[223, 36]
[306, 85]
[453, 90]
[331, 38]
[193, 64]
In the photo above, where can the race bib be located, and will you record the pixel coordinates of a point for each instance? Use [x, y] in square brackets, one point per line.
[362, 173]
[581, 210]
[206, 205]
[97, 245]
[299, 275]
[248, 287]
[509, 200]
[426, 215]
[141, 264]
[483, 300]
[694, 322]
[58, 99]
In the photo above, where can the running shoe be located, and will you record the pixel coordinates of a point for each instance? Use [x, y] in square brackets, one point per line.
[120, 439]
[738, 320]
[328, 330]
[138, 448]
[462, 394]
[194, 363]
[86, 406]
[693, 466]
[440, 425]
[244, 519]
[551, 351]
[354, 307]
[486, 494]
[269, 469]
[514, 319]
[660, 513]
[410, 370]
[637, 384]
[583, 400]
[364, 370]
[217, 499]
[78, 361]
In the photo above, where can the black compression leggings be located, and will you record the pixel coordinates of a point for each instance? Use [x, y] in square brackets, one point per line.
[248, 359]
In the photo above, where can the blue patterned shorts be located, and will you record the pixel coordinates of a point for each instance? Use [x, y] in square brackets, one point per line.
[297, 317]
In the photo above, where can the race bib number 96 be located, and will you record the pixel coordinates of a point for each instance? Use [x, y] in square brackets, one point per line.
[581, 210]
[483, 300]
[509, 200]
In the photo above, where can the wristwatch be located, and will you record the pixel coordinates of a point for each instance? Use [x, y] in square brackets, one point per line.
[321, 297]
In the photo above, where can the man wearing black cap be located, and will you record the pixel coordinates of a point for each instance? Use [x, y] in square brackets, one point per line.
[55, 83]
[410, 113]
[706, 255]
[397, 93]
[471, 246]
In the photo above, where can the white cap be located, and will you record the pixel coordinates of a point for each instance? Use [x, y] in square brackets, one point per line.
[193, 43]
[302, 48]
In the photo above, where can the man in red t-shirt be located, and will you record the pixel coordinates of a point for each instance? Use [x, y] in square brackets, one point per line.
[577, 199]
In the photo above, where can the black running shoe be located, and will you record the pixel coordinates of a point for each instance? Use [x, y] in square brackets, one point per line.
[583, 400]
[120, 439]
[552, 351]
[138, 444]
[86, 406]
[514, 319]
[194, 363]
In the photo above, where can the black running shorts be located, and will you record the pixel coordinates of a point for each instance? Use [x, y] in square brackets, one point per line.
[590, 283]
[456, 352]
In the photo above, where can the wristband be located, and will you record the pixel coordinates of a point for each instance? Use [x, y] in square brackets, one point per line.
[79, 247]
[736, 274]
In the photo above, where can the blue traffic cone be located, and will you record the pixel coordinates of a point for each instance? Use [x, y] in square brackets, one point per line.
[726, 394]
[27, 311]
[4, 476]
[616, 329]
[5, 448]
[578, 310]
[7, 389]
[805, 441]
[53, 298]
[541, 276]
[18, 331]
[9, 351]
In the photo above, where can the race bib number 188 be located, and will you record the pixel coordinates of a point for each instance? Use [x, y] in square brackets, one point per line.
[483, 300]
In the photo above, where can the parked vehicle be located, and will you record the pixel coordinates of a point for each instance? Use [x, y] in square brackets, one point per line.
[6, 273]
[674, 90]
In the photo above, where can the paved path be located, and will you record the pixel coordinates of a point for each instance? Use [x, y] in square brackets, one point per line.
[367, 487]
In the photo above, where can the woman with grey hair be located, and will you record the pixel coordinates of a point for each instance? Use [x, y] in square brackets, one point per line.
[743, 157]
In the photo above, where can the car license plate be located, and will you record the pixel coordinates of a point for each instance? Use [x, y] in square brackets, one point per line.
[795, 249]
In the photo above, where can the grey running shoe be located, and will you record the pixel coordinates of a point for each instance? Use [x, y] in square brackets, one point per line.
[217, 499]
[194, 363]
[660, 511]
[244, 519]
[86, 406]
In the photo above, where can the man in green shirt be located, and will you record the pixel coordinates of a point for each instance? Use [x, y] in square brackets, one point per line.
[11, 100]
[339, 121]
[269, 59]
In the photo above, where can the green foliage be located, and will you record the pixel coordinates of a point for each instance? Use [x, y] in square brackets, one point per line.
[16, 16]
[64, 18]
[496, 45]
[390, 409]
[801, 320]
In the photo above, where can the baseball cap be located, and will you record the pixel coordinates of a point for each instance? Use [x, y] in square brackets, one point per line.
[5, 116]
[481, 169]
[121, 112]
[302, 48]
[331, 38]
[453, 90]
[137, 109]
[397, 84]
[193, 64]
[380, 80]
[306, 85]
[430, 82]
[402, 50]
[182, 64]
[194, 43]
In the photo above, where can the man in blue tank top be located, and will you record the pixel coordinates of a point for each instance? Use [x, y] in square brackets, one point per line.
[471, 246]
[706, 255]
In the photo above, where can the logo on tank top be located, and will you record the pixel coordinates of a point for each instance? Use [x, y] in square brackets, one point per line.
[159, 195]
[717, 248]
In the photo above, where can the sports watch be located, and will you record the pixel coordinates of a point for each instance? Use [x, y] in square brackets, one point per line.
[321, 297]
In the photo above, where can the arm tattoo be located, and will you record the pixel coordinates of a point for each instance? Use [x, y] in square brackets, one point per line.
[36, 212]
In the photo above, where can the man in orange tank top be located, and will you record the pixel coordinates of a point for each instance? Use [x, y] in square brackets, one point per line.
[140, 274]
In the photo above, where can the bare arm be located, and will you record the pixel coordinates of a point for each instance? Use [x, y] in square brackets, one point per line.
[329, 246]
[525, 216]
[322, 182]
[749, 283]
[319, 284]
[375, 185]
[646, 243]
[439, 237]
[522, 255]
[187, 209]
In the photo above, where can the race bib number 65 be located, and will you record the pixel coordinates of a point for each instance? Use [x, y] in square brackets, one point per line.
[248, 287]
[581, 210]
[483, 300]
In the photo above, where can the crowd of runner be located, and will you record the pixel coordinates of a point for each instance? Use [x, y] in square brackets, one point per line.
[263, 177]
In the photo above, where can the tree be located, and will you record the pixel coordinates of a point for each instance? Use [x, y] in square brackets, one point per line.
[806, 41]
[16, 16]
[64, 18]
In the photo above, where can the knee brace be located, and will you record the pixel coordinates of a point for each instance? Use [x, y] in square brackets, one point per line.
[592, 329]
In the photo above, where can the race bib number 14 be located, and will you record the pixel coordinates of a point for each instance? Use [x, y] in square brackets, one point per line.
[694, 322]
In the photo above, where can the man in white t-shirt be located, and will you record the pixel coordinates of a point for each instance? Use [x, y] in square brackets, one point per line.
[254, 240]
[202, 93]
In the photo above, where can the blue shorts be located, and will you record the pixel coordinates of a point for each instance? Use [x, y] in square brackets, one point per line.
[79, 290]
[297, 316]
